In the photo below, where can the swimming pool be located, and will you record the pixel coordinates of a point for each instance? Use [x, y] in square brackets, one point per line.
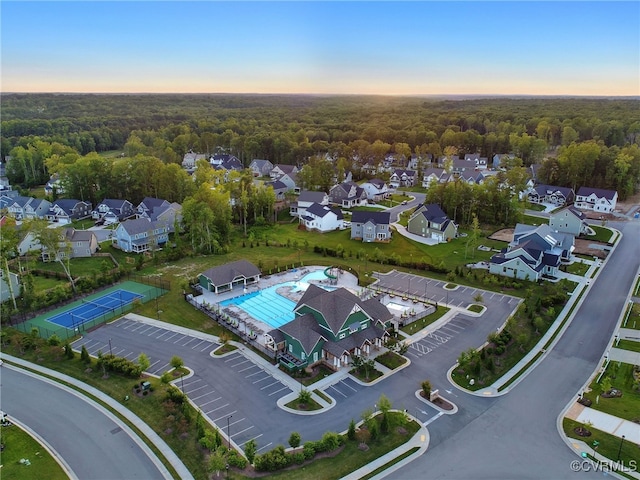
[270, 307]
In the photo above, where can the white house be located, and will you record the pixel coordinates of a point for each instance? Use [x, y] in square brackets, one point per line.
[376, 189]
[305, 200]
[322, 218]
[569, 220]
[5, 291]
[596, 199]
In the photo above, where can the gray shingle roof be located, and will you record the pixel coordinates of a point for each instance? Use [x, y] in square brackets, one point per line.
[599, 192]
[139, 225]
[225, 274]
[379, 218]
[305, 329]
[309, 196]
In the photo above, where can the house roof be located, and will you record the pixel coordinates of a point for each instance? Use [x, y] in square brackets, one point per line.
[598, 192]
[336, 306]
[304, 328]
[74, 235]
[309, 196]
[286, 169]
[149, 203]
[379, 218]
[434, 213]
[260, 163]
[376, 182]
[68, 204]
[399, 172]
[157, 211]
[542, 190]
[577, 213]
[276, 185]
[226, 273]
[321, 211]
[138, 225]
[114, 203]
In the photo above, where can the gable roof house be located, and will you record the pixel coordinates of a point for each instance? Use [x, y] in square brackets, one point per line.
[82, 243]
[305, 200]
[433, 176]
[321, 218]
[371, 226]
[260, 168]
[23, 208]
[534, 252]
[551, 194]
[65, 210]
[140, 235]
[279, 189]
[431, 222]
[189, 160]
[475, 158]
[166, 215]
[225, 161]
[7, 293]
[330, 327]
[54, 185]
[569, 220]
[402, 178]
[146, 206]
[224, 277]
[112, 210]
[281, 169]
[596, 199]
[347, 195]
[376, 189]
[500, 158]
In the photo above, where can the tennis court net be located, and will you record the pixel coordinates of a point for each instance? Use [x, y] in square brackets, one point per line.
[98, 305]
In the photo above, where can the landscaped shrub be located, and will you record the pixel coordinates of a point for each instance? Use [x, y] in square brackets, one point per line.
[275, 459]
[331, 441]
[120, 365]
[309, 450]
[237, 460]
[351, 433]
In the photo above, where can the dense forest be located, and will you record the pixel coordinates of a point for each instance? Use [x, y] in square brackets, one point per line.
[586, 141]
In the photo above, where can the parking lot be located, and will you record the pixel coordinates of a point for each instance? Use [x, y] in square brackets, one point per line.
[442, 335]
[229, 387]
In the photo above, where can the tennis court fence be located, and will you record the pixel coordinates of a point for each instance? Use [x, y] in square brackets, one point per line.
[47, 329]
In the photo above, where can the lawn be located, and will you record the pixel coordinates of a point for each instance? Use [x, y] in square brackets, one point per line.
[475, 308]
[83, 224]
[351, 457]
[425, 321]
[307, 407]
[633, 321]
[391, 360]
[608, 445]
[628, 345]
[42, 284]
[18, 445]
[79, 267]
[627, 406]
[577, 268]
[603, 234]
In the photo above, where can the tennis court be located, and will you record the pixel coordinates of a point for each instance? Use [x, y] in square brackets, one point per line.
[113, 302]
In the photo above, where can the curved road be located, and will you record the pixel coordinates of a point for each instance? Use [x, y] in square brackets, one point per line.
[515, 436]
[92, 442]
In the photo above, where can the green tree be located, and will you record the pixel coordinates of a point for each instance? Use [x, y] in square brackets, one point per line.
[143, 361]
[294, 440]
[55, 245]
[84, 355]
[426, 389]
[250, 450]
[176, 362]
[351, 432]
[68, 351]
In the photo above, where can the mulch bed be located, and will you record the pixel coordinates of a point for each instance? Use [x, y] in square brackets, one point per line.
[252, 473]
[439, 401]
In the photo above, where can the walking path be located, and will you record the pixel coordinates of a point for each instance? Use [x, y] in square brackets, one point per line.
[624, 356]
[605, 422]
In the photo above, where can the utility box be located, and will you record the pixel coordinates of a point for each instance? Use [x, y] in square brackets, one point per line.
[146, 386]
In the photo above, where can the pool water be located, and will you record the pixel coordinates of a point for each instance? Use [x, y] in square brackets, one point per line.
[270, 307]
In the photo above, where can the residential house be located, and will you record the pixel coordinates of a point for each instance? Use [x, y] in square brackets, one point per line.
[189, 160]
[279, 189]
[54, 185]
[596, 199]
[322, 218]
[4, 180]
[280, 169]
[146, 206]
[167, 215]
[330, 327]
[559, 196]
[25, 208]
[347, 195]
[82, 243]
[569, 220]
[261, 168]
[535, 252]
[430, 221]
[224, 277]
[499, 159]
[291, 181]
[11, 289]
[433, 176]
[112, 210]
[376, 189]
[475, 158]
[140, 235]
[402, 178]
[66, 210]
[305, 200]
[225, 161]
[371, 226]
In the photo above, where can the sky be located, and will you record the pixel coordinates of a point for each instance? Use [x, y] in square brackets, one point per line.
[328, 47]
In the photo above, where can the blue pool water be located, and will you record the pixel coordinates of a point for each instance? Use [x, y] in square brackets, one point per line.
[268, 306]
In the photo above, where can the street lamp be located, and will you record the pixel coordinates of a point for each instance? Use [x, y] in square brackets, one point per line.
[620, 448]
[110, 351]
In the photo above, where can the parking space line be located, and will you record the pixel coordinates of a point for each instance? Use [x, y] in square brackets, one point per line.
[270, 385]
[195, 380]
[162, 334]
[254, 438]
[152, 365]
[225, 416]
[283, 388]
[118, 352]
[196, 389]
[349, 386]
[256, 373]
[338, 391]
[203, 395]
[154, 332]
[240, 363]
[129, 325]
[210, 401]
[265, 378]
[208, 345]
[130, 354]
[146, 329]
[199, 343]
[242, 431]
[230, 359]
[211, 411]
[169, 338]
[160, 369]
[248, 368]
[182, 338]
[140, 325]
[266, 446]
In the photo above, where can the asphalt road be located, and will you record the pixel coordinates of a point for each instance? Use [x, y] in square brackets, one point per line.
[515, 436]
[91, 441]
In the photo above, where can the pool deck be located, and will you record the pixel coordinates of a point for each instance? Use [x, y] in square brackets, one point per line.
[345, 280]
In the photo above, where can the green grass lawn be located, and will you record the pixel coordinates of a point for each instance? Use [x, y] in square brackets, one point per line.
[79, 267]
[351, 457]
[18, 445]
[425, 321]
[41, 284]
[307, 407]
[475, 308]
[627, 406]
[608, 444]
[535, 206]
[83, 224]
[391, 360]
[603, 234]
[628, 345]
[577, 268]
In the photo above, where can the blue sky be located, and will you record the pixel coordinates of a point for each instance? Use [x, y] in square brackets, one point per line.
[500, 47]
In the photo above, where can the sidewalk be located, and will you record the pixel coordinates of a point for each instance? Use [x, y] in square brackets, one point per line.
[152, 436]
[605, 422]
